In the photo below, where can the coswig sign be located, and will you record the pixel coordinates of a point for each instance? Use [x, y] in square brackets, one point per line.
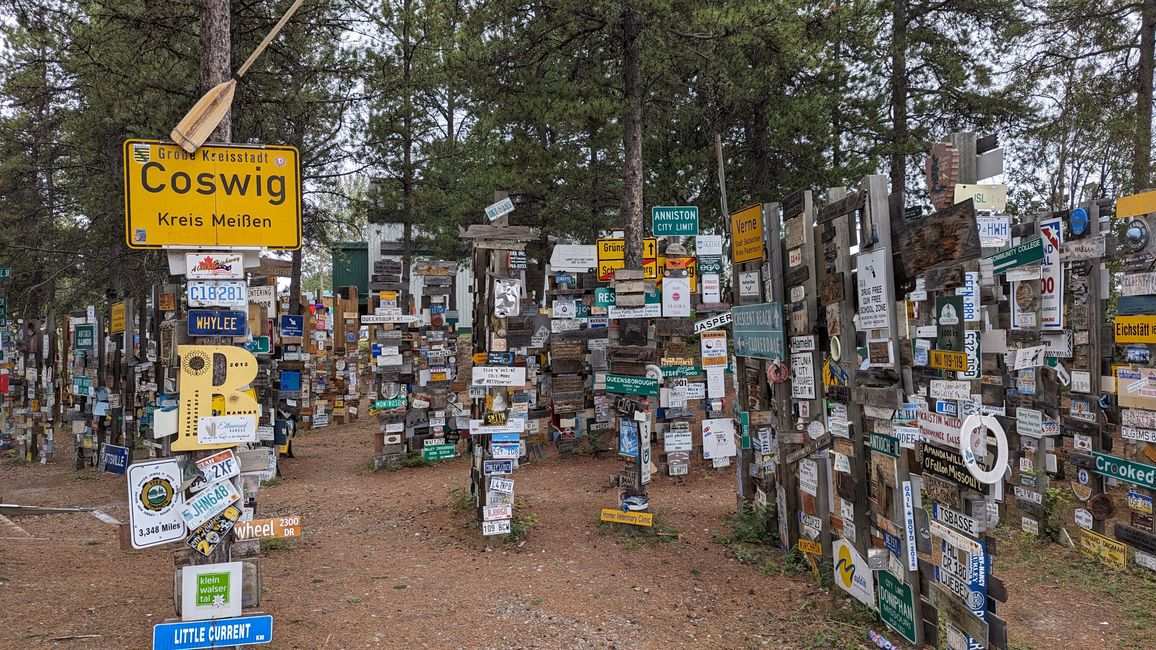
[219, 196]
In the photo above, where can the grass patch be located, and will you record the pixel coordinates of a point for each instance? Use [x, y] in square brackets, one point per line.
[317, 581]
[352, 600]
[273, 482]
[5, 578]
[536, 602]
[751, 524]
[412, 459]
[94, 542]
[399, 586]
[520, 524]
[461, 499]
[276, 545]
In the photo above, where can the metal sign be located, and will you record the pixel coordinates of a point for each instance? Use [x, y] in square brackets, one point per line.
[218, 467]
[630, 385]
[211, 591]
[292, 326]
[897, 605]
[747, 234]
[227, 293]
[84, 338]
[274, 528]
[714, 322]
[204, 322]
[114, 458]
[227, 196]
[194, 635]
[214, 266]
[495, 210]
[154, 500]
[674, 221]
[758, 331]
[1029, 252]
[116, 318]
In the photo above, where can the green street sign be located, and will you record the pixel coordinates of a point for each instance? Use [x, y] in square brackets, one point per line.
[260, 345]
[885, 444]
[709, 264]
[603, 297]
[630, 385]
[674, 220]
[3, 311]
[896, 606]
[1029, 252]
[438, 452]
[1126, 470]
[5, 272]
[387, 404]
[85, 337]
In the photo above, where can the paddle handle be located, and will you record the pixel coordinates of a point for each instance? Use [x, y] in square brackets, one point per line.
[268, 39]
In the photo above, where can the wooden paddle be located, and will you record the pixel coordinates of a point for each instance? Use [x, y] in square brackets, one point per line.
[195, 127]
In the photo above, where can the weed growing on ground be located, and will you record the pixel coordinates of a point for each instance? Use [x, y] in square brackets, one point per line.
[520, 524]
[273, 482]
[276, 545]
[413, 459]
[461, 499]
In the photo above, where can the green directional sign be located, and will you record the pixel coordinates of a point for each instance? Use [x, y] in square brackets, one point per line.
[603, 297]
[1126, 470]
[438, 452]
[1029, 252]
[674, 220]
[681, 371]
[387, 404]
[896, 606]
[5, 272]
[85, 336]
[81, 386]
[630, 385]
[885, 444]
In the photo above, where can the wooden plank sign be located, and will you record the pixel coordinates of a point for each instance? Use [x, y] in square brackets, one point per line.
[943, 238]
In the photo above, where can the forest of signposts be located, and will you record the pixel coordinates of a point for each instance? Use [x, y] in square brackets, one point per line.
[888, 384]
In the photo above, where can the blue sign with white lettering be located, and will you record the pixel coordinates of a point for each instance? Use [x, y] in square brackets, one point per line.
[191, 635]
[505, 437]
[210, 322]
[893, 544]
[292, 325]
[114, 458]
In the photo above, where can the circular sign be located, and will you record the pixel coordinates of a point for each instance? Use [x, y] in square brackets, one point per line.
[157, 494]
[815, 429]
[966, 442]
[1081, 492]
[1078, 221]
[1082, 477]
[836, 348]
[654, 372]
[1136, 235]
[1025, 296]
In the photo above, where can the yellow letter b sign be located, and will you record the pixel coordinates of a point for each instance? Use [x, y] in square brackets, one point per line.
[198, 392]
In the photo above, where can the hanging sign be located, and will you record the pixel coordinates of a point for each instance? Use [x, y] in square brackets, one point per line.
[875, 298]
[154, 502]
[498, 376]
[1027, 253]
[222, 195]
[292, 326]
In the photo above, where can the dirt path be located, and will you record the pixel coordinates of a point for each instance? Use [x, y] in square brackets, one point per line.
[387, 561]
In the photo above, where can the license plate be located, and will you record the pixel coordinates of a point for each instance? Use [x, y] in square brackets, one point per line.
[228, 293]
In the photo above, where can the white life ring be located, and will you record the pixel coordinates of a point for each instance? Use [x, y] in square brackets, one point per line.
[966, 434]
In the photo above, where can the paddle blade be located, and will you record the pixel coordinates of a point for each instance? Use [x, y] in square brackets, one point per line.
[195, 127]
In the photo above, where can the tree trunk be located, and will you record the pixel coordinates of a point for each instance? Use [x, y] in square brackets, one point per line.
[632, 135]
[295, 285]
[899, 83]
[216, 64]
[407, 174]
[1142, 146]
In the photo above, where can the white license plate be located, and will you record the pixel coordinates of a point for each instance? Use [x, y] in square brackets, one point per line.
[217, 294]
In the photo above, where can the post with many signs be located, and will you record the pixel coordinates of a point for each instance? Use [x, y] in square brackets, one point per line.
[502, 394]
[211, 237]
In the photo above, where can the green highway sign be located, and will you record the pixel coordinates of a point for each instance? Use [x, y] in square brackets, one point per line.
[5, 272]
[387, 404]
[630, 385]
[3, 311]
[85, 337]
[896, 606]
[603, 297]
[1029, 252]
[438, 452]
[674, 220]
